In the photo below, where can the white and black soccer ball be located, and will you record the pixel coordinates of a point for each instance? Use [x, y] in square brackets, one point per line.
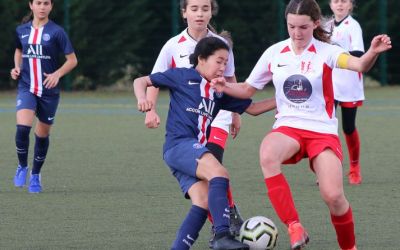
[259, 232]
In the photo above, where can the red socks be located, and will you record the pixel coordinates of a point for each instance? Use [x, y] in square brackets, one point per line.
[353, 145]
[281, 199]
[344, 227]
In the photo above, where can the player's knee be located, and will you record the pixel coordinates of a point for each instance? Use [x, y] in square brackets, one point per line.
[199, 194]
[221, 172]
[269, 162]
[334, 199]
[201, 200]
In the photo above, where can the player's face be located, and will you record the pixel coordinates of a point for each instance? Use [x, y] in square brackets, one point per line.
[341, 8]
[198, 14]
[300, 29]
[213, 66]
[41, 8]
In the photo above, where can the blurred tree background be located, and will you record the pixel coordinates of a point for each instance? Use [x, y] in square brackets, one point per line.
[116, 41]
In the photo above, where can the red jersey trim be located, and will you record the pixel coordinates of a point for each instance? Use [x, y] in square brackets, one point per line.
[286, 49]
[327, 86]
[182, 39]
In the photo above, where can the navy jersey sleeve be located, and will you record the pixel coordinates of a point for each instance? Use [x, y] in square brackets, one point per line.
[64, 43]
[234, 104]
[166, 79]
[18, 44]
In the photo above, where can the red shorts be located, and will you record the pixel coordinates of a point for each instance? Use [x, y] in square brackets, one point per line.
[351, 104]
[218, 136]
[311, 144]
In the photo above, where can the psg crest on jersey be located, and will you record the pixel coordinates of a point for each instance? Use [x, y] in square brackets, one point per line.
[198, 146]
[219, 94]
[46, 37]
[297, 88]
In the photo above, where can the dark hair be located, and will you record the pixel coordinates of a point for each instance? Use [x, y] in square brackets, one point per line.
[29, 16]
[309, 8]
[207, 47]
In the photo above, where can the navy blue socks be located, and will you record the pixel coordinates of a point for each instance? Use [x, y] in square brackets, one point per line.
[190, 228]
[41, 147]
[218, 203]
[22, 144]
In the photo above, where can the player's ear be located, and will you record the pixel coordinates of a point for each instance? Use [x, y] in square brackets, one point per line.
[317, 24]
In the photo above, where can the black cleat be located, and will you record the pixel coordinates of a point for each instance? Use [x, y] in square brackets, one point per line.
[212, 238]
[236, 221]
[226, 241]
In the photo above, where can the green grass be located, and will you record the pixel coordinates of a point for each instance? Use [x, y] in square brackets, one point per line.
[106, 186]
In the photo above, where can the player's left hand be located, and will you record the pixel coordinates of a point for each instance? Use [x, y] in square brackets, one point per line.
[51, 80]
[144, 105]
[381, 43]
[235, 126]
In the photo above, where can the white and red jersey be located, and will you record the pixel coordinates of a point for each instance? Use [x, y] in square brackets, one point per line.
[348, 85]
[176, 52]
[303, 84]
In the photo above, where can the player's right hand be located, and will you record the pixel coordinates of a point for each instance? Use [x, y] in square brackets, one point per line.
[152, 119]
[144, 105]
[15, 73]
[218, 84]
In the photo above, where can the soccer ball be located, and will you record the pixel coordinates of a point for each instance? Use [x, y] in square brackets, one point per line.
[259, 232]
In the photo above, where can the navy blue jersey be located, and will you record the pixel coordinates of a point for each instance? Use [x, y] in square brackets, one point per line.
[41, 49]
[193, 104]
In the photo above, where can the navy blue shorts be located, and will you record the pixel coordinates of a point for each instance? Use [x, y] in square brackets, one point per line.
[182, 161]
[45, 107]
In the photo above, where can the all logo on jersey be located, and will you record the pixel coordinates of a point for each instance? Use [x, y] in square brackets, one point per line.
[35, 51]
[297, 88]
[207, 105]
[206, 108]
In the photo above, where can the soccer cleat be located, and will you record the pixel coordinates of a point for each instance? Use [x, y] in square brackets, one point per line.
[212, 238]
[20, 176]
[298, 236]
[226, 241]
[236, 221]
[34, 184]
[354, 176]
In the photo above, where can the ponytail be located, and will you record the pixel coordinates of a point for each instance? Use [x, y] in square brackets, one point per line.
[27, 18]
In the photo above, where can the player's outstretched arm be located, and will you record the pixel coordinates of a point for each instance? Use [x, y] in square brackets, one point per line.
[257, 108]
[139, 86]
[238, 90]
[379, 44]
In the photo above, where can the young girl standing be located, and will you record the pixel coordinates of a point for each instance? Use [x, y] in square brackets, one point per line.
[348, 85]
[39, 41]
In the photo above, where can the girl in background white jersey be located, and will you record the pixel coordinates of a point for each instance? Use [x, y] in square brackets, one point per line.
[175, 53]
[301, 69]
[348, 85]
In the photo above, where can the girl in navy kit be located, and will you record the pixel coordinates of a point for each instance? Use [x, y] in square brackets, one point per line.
[193, 106]
[39, 41]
